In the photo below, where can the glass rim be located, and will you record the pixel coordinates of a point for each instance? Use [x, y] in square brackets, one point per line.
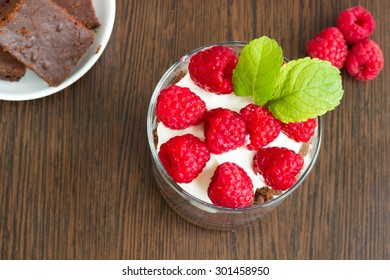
[183, 193]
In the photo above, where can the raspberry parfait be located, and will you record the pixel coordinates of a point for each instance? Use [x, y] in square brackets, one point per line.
[220, 160]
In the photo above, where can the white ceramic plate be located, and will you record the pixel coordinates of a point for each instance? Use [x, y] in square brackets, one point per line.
[33, 87]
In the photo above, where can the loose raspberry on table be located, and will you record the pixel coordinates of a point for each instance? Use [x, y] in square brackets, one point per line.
[184, 157]
[262, 126]
[212, 69]
[279, 166]
[365, 60]
[224, 130]
[178, 107]
[231, 186]
[329, 45]
[356, 24]
[300, 131]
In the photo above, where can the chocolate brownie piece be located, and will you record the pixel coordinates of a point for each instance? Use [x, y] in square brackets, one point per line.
[44, 37]
[10, 69]
[82, 10]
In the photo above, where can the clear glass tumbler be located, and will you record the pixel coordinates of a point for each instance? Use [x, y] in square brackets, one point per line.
[194, 210]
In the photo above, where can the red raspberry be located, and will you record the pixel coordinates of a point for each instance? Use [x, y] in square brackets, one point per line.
[224, 130]
[184, 157]
[179, 108]
[279, 166]
[212, 69]
[365, 60]
[261, 125]
[356, 24]
[300, 131]
[231, 187]
[329, 45]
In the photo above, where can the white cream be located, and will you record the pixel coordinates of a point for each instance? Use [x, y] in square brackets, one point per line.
[241, 156]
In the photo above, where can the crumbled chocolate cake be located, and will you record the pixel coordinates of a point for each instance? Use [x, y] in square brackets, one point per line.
[304, 150]
[263, 195]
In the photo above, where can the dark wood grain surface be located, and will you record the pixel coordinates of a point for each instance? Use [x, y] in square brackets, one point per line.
[75, 172]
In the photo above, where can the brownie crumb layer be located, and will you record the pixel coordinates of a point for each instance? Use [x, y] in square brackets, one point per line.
[304, 150]
[263, 195]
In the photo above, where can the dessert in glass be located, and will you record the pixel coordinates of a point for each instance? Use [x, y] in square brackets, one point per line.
[228, 141]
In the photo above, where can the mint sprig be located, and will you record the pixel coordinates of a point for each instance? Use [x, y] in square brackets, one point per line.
[306, 88]
[258, 70]
[297, 91]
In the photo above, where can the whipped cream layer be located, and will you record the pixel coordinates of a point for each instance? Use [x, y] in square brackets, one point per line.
[241, 156]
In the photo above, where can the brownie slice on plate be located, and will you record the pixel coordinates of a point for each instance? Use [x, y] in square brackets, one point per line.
[10, 69]
[44, 37]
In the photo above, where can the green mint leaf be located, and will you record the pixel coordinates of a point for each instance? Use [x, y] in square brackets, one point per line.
[306, 88]
[258, 70]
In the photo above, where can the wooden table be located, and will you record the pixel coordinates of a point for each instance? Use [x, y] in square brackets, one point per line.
[75, 172]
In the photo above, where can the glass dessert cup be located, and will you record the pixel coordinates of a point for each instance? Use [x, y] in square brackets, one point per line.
[191, 208]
